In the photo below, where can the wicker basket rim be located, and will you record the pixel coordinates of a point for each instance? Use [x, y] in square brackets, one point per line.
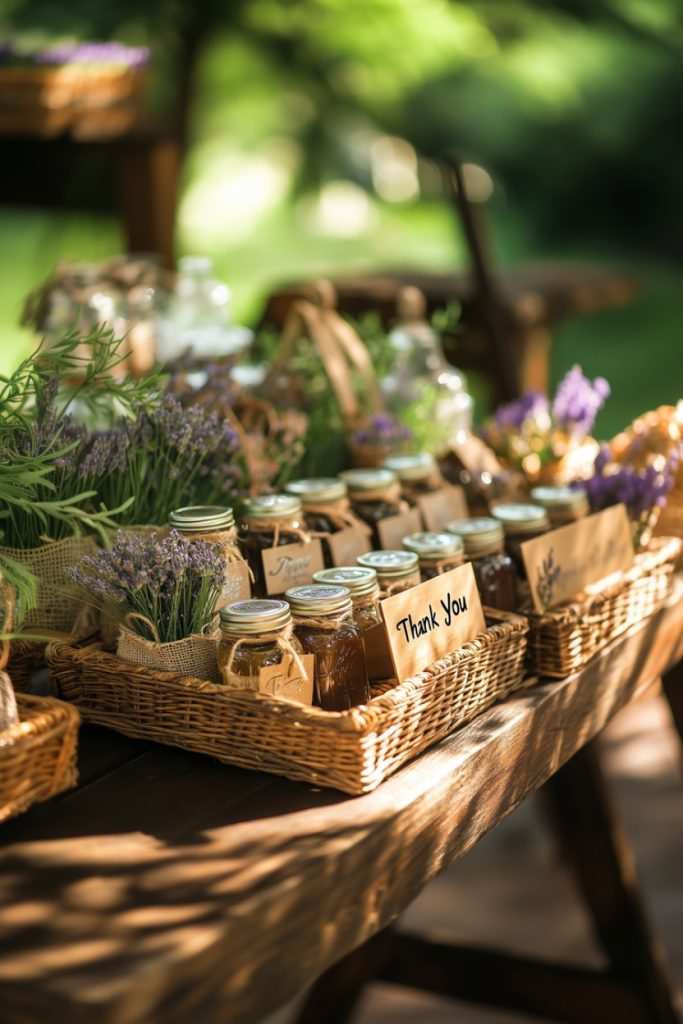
[363, 719]
[661, 551]
[39, 717]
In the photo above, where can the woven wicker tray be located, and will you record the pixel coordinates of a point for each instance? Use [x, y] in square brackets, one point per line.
[37, 756]
[350, 750]
[562, 641]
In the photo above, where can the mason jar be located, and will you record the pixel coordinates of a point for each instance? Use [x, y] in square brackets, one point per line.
[417, 474]
[494, 570]
[364, 588]
[563, 505]
[375, 495]
[216, 525]
[327, 513]
[258, 635]
[437, 552]
[269, 521]
[396, 570]
[521, 522]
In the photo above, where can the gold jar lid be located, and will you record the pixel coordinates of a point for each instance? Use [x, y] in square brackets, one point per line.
[272, 506]
[521, 518]
[244, 618]
[320, 488]
[409, 468]
[359, 480]
[560, 499]
[201, 518]
[394, 564]
[321, 599]
[360, 581]
[434, 545]
[481, 535]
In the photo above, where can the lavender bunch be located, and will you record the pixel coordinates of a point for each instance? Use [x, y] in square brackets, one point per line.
[383, 431]
[167, 457]
[531, 407]
[577, 402]
[642, 490]
[171, 583]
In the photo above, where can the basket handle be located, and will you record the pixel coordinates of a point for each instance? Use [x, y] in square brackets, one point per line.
[128, 618]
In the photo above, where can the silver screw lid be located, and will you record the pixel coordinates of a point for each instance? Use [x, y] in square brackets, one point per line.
[272, 506]
[360, 581]
[201, 518]
[315, 599]
[434, 545]
[480, 535]
[518, 518]
[317, 489]
[411, 467]
[244, 618]
[390, 564]
[359, 480]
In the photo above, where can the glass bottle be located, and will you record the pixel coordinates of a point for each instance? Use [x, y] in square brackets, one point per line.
[268, 521]
[324, 626]
[327, 511]
[375, 495]
[216, 525]
[437, 552]
[396, 570]
[364, 588]
[417, 474]
[257, 635]
[563, 505]
[521, 522]
[494, 570]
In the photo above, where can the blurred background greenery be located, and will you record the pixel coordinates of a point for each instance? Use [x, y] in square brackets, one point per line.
[312, 124]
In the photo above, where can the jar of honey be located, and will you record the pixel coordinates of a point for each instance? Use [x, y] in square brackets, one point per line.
[269, 521]
[375, 496]
[417, 475]
[494, 570]
[324, 626]
[563, 505]
[396, 570]
[216, 525]
[364, 588]
[521, 522]
[257, 636]
[437, 552]
[327, 513]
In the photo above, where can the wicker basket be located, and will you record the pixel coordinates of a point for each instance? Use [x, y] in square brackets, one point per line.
[38, 755]
[670, 522]
[350, 750]
[563, 640]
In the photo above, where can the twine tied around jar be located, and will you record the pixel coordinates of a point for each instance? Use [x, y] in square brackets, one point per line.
[268, 525]
[398, 586]
[391, 494]
[282, 639]
[339, 513]
[227, 541]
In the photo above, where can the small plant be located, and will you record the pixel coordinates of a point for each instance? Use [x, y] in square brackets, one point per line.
[162, 589]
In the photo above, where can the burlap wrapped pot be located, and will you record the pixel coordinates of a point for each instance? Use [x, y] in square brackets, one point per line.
[195, 656]
[58, 603]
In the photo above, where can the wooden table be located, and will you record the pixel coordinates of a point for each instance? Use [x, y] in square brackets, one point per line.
[169, 888]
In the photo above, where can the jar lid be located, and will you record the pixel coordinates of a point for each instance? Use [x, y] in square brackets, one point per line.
[367, 479]
[434, 545]
[201, 518]
[559, 497]
[390, 563]
[359, 580]
[520, 518]
[320, 488]
[259, 616]
[319, 599]
[479, 535]
[272, 506]
[411, 467]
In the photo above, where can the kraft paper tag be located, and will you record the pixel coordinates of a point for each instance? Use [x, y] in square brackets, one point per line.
[442, 507]
[237, 586]
[377, 657]
[476, 456]
[432, 619]
[285, 679]
[393, 529]
[347, 544]
[291, 565]
[562, 563]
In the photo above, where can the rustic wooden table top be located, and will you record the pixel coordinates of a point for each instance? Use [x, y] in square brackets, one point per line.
[171, 888]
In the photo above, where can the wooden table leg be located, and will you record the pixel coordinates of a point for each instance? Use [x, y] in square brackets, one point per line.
[632, 990]
[149, 174]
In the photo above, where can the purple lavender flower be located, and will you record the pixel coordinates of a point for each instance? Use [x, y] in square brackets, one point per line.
[532, 406]
[640, 490]
[383, 430]
[578, 401]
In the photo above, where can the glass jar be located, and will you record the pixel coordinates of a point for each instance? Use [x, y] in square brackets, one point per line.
[364, 588]
[520, 522]
[494, 570]
[327, 511]
[396, 570]
[269, 521]
[563, 505]
[417, 474]
[437, 552]
[375, 495]
[216, 525]
[258, 635]
[324, 626]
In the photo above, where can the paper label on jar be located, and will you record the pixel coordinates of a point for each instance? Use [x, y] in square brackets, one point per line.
[291, 565]
[346, 545]
[285, 679]
[431, 620]
[237, 586]
[442, 507]
[393, 529]
[562, 563]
